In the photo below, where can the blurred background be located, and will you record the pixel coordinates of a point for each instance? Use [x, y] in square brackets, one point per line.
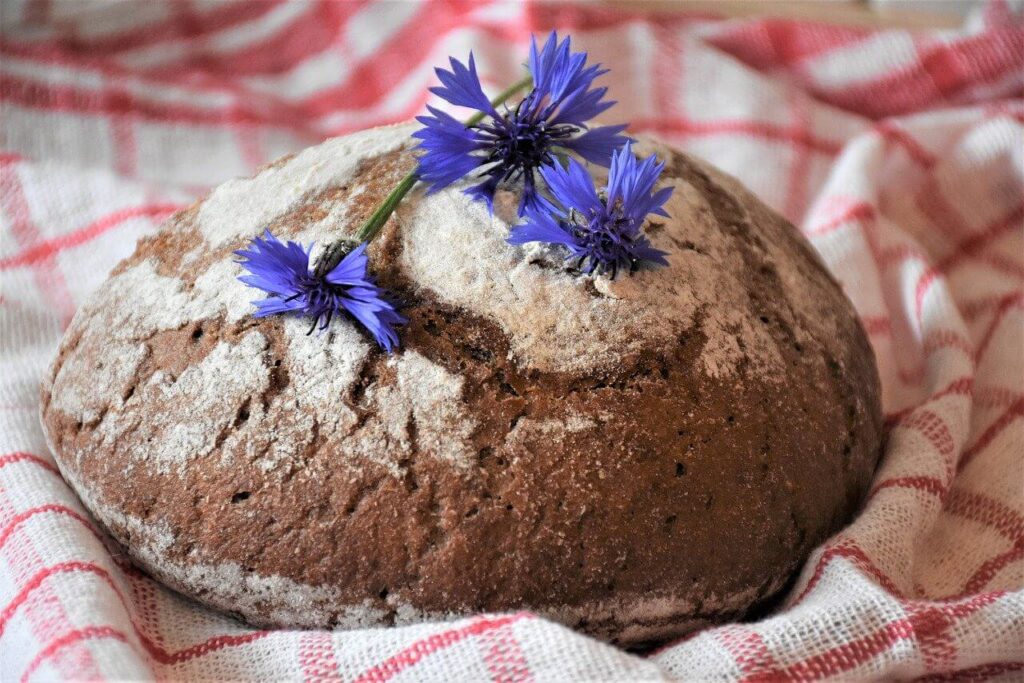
[128, 109]
[891, 13]
[191, 92]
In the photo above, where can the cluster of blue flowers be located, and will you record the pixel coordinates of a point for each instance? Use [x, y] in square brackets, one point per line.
[600, 230]
[537, 140]
[511, 147]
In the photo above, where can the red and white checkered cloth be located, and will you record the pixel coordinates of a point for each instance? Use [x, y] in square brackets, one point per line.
[900, 155]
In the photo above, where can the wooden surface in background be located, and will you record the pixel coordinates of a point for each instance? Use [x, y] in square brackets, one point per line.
[848, 12]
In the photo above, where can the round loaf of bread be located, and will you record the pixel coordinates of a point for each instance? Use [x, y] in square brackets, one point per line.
[633, 457]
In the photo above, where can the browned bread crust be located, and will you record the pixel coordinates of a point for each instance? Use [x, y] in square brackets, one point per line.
[633, 458]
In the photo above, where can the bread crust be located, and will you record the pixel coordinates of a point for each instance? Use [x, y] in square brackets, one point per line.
[633, 458]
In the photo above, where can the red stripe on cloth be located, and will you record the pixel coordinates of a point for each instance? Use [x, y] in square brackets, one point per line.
[965, 248]
[856, 213]
[503, 656]
[892, 133]
[975, 308]
[22, 517]
[68, 639]
[307, 34]
[1013, 109]
[796, 181]
[927, 624]
[414, 107]
[548, 16]
[900, 254]
[747, 648]
[1004, 309]
[272, 110]
[932, 485]
[48, 276]
[156, 651]
[245, 108]
[941, 72]
[372, 78]
[116, 100]
[61, 568]
[172, 29]
[839, 659]
[982, 672]
[757, 129]
[414, 653]
[935, 429]
[19, 456]
[963, 386]
[116, 97]
[1012, 413]
[996, 14]
[935, 341]
[981, 239]
[848, 549]
[932, 633]
[987, 571]
[996, 397]
[48, 248]
[988, 511]
[943, 216]
[14, 522]
[48, 616]
[947, 339]
[122, 564]
[122, 136]
[876, 325]
[201, 649]
[316, 657]
[1003, 264]
[779, 42]
[970, 505]
[669, 71]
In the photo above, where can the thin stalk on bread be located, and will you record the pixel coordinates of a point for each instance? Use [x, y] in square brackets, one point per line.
[532, 148]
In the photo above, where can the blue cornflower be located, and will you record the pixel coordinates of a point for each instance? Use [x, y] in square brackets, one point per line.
[601, 230]
[282, 271]
[511, 146]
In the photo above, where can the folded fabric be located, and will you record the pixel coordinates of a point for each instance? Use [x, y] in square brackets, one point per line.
[900, 155]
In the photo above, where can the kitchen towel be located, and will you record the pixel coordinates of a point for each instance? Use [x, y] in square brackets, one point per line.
[900, 155]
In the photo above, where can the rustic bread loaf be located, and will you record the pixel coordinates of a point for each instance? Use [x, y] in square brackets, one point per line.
[634, 457]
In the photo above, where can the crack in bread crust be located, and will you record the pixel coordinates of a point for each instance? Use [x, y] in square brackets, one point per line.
[669, 465]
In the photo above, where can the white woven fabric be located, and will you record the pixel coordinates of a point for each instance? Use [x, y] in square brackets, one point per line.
[900, 155]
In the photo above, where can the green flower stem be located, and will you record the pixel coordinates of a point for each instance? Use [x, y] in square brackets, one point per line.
[379, 217]
[335, 252]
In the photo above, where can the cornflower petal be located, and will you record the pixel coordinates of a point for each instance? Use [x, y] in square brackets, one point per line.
[282, 271]
[598, 144]
[603, 234]
[573, 187]
[512, 147]
[461, 86]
